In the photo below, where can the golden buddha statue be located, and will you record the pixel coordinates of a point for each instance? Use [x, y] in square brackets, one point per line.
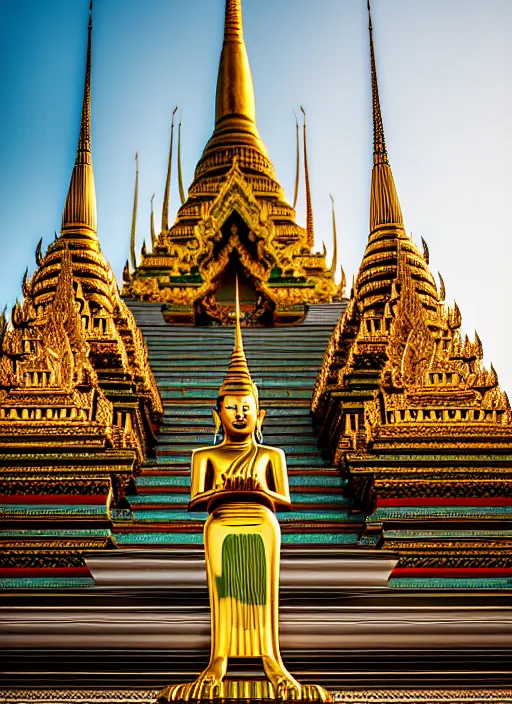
[241, 482]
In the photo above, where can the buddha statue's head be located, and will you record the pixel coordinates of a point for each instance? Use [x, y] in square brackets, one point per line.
[237, 411]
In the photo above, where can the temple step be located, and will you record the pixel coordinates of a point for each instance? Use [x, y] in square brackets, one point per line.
[189, 365]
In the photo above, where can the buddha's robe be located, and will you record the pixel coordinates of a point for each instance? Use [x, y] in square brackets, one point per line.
[242, 542]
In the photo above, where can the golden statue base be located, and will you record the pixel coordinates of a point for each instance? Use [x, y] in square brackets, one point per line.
[236, 690]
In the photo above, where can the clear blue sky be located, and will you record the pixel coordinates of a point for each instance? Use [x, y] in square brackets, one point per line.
[445, 73]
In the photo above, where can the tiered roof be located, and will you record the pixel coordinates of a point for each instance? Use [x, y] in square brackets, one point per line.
[235, 207]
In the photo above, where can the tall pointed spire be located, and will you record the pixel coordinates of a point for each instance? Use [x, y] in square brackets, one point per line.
[235, 91]
[152, 223]
[310, 228]
[235, 105]
[180, 173]
[384, 204]
[79, 216]
[133, 257]
[334, 263]
[167, 195]
[297, 162]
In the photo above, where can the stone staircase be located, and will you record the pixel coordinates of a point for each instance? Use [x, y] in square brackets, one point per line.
[189, 365]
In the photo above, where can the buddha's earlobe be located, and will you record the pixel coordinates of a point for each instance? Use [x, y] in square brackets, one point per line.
[217, 424]
[259, 423]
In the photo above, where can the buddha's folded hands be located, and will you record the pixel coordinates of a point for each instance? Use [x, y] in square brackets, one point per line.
[239, 483]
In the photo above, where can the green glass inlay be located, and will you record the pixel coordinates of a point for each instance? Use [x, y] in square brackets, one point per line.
[163, 481]
[45, 582]
[447, 583]
[162, 515]
[196, 538]
[168, 515]
[210, 393]
[439, 511]
[321, 516]
[303, 462]
[320, 538]
[144, 499]
[46, 510]
[320, 499]
[64, 533]
[159, 499]
[403, 459]
[317, 480]
[435, 534]
[159, 538]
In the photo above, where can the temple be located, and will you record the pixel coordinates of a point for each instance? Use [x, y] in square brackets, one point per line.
[396, 557]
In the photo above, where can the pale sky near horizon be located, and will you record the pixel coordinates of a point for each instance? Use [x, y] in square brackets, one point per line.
[444, 69]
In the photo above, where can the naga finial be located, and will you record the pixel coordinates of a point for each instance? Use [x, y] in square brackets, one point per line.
[334, 262]
[167, 194]
[133, 257]
[310, 228]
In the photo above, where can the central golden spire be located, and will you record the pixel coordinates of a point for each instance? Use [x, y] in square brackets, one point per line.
[384, 204]
[235, 106]
[79, 216]
[235, 91]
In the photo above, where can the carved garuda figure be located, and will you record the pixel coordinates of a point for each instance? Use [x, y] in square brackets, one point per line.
[241, 483]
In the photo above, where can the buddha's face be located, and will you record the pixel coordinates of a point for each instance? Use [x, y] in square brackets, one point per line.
[239, 415]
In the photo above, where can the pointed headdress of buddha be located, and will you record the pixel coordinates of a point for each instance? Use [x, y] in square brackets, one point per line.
[238, 380]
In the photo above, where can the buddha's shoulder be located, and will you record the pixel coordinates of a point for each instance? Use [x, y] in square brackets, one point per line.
[202, 452]
[271, 452]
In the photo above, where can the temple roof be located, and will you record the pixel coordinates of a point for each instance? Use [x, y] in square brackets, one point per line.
[234, 178]
[397, 326]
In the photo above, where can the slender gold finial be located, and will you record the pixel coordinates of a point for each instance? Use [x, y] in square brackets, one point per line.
[233, 27]
[380, 155]
[133, 258]
[167, 195]
[384, 204]
[180, 173]
[79, 214]
[238, 380]
[334, 263]
[235, 91]
[239, 344]
[297, 161]
[310, 228]
[152, 223]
